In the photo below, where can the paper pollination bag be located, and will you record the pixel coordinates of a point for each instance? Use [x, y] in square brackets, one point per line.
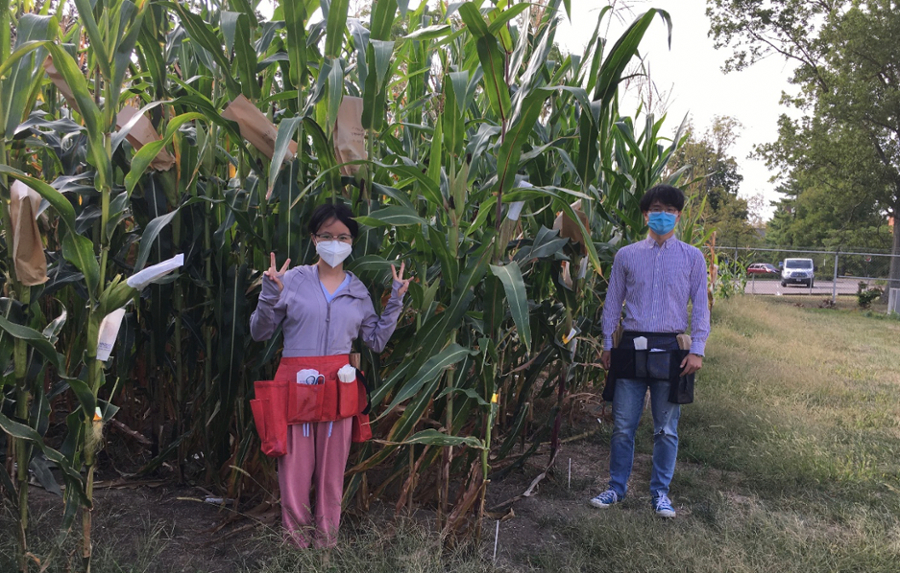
[143, 133]
[140, 135]
[349, 135]
[568, 228]
[255, 126]
[27, 247]
[60, 82]
[155, 272]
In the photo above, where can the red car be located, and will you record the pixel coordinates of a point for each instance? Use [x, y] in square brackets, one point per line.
[762, 269]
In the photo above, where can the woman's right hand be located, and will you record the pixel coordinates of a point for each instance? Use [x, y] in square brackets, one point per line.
[274, 274]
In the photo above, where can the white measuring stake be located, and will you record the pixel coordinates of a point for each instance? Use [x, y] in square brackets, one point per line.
[570, 474]
[496, 539]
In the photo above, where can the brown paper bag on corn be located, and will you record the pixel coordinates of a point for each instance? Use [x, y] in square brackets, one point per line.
[349, 135]
[568, 228]
[27, 247]
[255, 126]
[143, 133]
[60, 82]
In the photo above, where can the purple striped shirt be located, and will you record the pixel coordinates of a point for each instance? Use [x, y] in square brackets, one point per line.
[655, 283]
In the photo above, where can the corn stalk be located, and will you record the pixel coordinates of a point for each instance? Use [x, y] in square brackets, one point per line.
[460, 108]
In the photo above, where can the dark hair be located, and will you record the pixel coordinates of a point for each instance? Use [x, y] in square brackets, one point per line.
[666, 194]
[327, 212]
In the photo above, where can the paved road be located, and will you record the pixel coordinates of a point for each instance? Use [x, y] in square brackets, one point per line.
[821, 288]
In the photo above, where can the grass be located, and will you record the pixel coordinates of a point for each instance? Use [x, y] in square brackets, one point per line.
[788, 462]
[401, 546]
[788, 458]
[118, 552]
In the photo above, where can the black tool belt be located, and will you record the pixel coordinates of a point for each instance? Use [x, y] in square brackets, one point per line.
[660, 361]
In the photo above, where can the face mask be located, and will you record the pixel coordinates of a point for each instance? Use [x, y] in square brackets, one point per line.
[333, 252]
[661, 223]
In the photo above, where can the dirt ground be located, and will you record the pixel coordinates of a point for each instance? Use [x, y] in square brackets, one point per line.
[133, 517]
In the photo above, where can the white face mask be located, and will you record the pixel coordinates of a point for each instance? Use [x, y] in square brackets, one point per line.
[333, 252]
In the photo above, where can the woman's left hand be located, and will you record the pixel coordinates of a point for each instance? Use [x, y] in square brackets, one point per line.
[398, 276]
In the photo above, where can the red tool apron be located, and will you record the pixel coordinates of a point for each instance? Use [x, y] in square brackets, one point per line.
[283, 401]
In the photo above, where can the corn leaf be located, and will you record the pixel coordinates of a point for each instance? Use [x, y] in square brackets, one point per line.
[295, 16]
[98, 45]
[393, 216]
[93, 117]
[56, 199]
[382, 18]
[35, 339]
[131, 17]
[432, 437]
[200, 32]
[245, 55]
[79, 250]
[17, 85]
[433, 367]
[622, 52]
[142, 159]
[73, 479]
[337, 25]
[287, 129]
[517, 298]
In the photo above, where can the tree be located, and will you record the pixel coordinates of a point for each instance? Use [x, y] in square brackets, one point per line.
[714, 180]
[846, 145]
[835, 199]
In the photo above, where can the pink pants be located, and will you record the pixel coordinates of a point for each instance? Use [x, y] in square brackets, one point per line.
[318, 459]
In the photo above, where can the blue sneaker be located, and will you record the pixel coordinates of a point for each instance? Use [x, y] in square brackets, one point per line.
[605, 499]
[663, 506]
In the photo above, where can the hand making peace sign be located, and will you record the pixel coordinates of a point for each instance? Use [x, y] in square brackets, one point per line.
[399, 277]
[275, 275]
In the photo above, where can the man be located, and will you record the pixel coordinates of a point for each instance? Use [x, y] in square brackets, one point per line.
[654, 278]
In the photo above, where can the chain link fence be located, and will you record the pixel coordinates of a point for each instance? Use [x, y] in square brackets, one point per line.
[836, 272]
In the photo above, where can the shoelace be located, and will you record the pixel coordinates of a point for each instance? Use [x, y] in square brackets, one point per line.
[662, 502]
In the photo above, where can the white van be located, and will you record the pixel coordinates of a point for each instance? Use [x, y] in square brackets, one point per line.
[798, 271]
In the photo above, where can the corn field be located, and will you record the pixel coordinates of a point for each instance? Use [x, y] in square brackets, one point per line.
[500, 169]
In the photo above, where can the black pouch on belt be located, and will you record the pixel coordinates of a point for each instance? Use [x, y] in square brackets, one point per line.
[681, 388]
[628, 363]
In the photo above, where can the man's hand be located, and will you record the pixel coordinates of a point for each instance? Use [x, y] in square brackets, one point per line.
[691, 363]
[605, 359]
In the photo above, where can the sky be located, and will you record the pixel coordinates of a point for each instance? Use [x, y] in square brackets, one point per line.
[690, 73]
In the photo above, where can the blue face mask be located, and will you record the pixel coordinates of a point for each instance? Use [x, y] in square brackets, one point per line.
[661, 223]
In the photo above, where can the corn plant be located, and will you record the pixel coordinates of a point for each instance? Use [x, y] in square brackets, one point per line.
[470, 115]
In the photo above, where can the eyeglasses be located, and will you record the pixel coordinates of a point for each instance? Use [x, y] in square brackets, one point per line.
[669, 210]
[330, 237]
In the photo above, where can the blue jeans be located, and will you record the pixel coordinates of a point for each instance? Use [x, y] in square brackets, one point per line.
[628, 404]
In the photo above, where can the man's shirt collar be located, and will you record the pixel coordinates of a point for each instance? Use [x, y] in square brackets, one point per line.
[650, 242]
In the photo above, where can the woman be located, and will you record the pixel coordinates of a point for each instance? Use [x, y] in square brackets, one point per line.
[322, 309]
